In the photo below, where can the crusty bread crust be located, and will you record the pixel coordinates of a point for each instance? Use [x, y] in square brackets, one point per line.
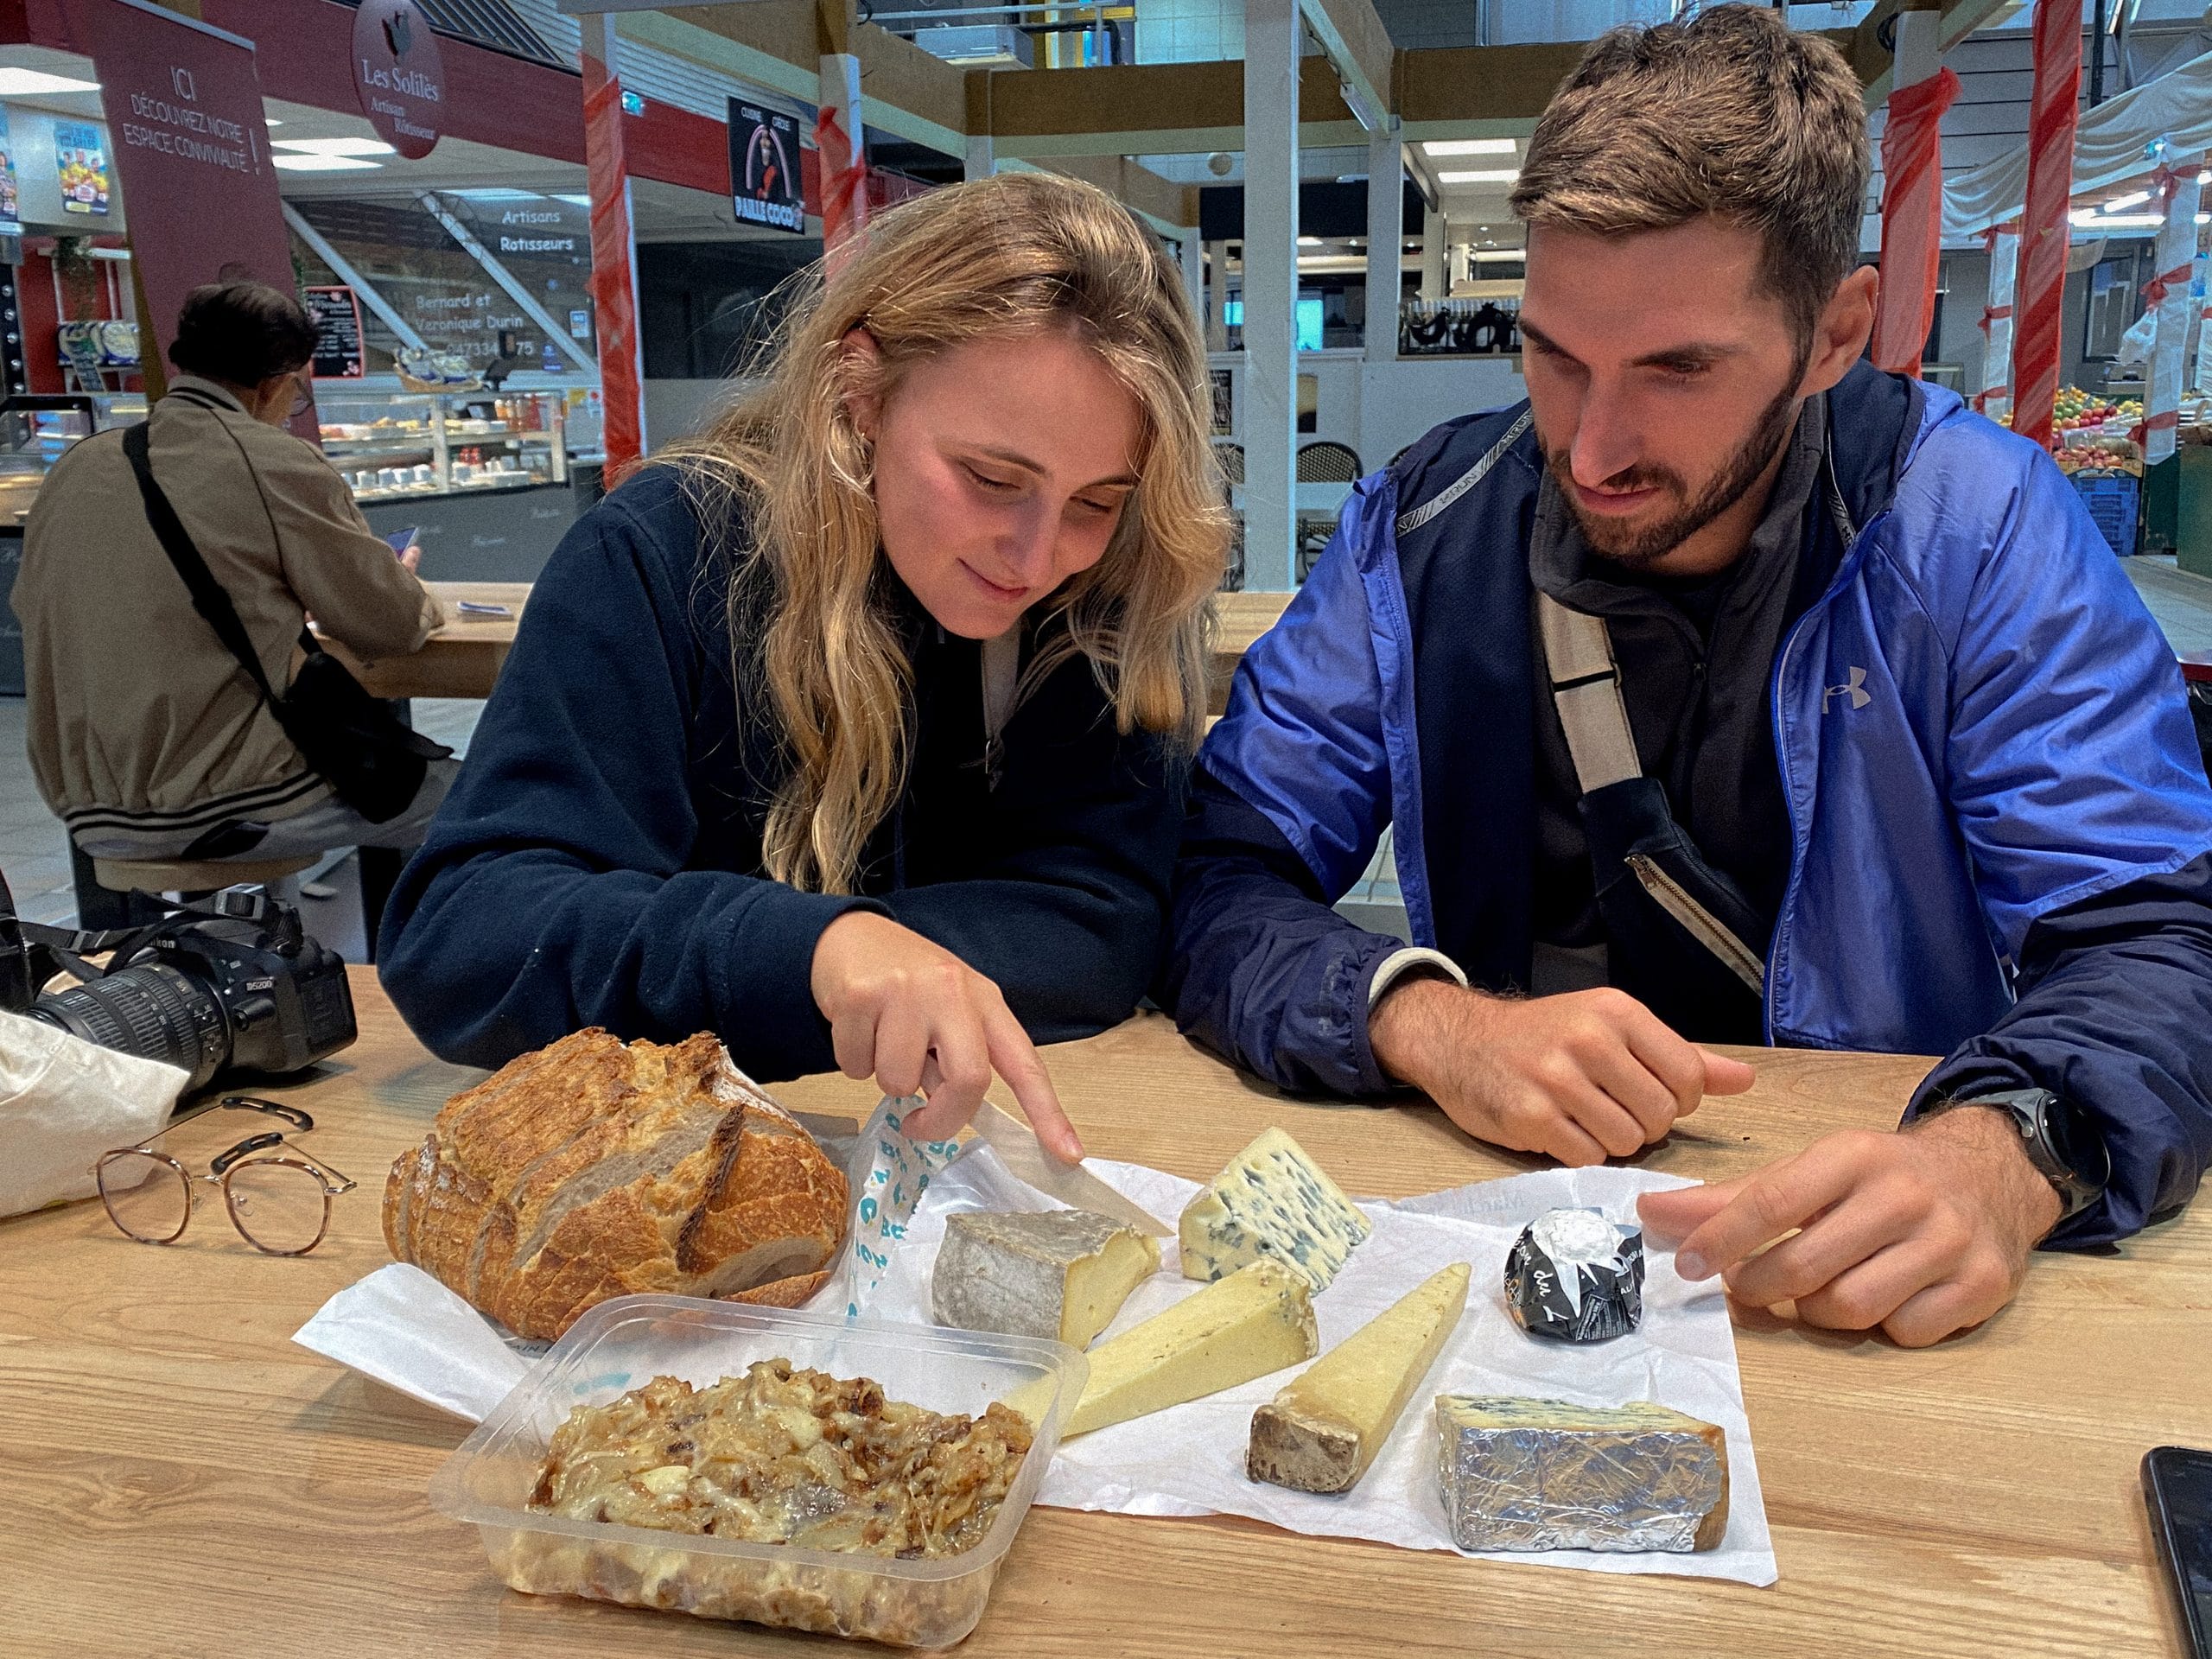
[594, 1168]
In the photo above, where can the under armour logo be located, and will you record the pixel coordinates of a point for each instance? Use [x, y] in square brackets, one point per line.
[1854, 688]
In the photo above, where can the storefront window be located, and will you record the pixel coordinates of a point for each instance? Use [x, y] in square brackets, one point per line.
[435, 262]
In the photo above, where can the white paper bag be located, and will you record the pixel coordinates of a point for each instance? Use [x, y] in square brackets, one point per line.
[64, 1102]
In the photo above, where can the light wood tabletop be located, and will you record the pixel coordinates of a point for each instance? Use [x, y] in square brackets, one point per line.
[1240, 620]
[461, 660]
[185, 1481]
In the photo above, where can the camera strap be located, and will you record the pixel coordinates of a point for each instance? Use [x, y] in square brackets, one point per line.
[208, 597]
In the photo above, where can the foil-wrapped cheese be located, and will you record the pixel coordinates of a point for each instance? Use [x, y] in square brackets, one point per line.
[1541, 1474]
[1574, 1276]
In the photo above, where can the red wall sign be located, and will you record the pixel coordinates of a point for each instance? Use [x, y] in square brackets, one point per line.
[399, 75]
[191, 153]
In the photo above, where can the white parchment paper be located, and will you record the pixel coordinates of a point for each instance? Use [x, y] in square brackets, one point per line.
[1190, 1460]
[405, 1329]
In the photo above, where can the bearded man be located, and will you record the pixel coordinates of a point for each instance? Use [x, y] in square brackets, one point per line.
[1728, 691]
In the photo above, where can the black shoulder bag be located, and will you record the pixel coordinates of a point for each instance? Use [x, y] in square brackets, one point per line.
[371, 757]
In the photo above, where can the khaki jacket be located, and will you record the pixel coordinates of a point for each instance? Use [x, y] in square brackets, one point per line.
[139, 721]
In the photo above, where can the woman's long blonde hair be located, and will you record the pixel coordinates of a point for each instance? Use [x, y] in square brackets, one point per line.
[1016, 254]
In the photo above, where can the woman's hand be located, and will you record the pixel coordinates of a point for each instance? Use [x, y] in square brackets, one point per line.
[922, 1021]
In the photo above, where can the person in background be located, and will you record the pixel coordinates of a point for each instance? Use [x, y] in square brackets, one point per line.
[147, 737]
[851, 729]
[1728, 689]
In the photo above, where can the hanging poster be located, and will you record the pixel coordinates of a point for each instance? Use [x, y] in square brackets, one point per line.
[336, 310]
[80, 157]
[10, 213]
[764, 168]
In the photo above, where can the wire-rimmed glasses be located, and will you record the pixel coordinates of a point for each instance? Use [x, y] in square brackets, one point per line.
[279, 1203]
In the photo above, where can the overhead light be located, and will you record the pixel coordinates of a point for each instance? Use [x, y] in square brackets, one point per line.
[1468, 147]
[29, 83]
[2120, 203]
[271, 121]
[335, 146]
[2205, 178]
[2120, 221]
[1481, 176]
[323, 164]
[2204, 219]
[494, 193]
[1309, 241]
[1487, 255]
[580, 201]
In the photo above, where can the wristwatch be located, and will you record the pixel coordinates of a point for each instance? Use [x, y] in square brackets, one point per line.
[2060, 1142]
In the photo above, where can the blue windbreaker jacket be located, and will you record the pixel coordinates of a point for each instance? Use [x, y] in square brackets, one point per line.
[1978, 727]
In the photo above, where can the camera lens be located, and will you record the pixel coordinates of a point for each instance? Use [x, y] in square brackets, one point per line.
[151, 1010]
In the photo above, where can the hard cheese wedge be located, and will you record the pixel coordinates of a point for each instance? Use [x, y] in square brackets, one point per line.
[1541, 1474]
[1258, 1319]
[1321, 1433]
[1272, 1203]
[1063, 1272]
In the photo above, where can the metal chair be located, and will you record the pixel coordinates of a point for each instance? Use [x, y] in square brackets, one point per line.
[1328, 462]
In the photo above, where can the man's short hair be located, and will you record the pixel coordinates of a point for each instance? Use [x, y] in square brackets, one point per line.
[1725, 113]
[241, 333]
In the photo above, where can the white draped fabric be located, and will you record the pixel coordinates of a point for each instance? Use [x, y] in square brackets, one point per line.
[2111, 144]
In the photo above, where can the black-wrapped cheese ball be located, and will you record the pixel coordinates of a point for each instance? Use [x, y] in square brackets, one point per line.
[1576, 1276]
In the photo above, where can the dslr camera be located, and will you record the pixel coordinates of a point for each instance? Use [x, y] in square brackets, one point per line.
[229, 986]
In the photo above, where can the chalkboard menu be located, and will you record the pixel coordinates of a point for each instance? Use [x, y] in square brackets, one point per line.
[337, 314]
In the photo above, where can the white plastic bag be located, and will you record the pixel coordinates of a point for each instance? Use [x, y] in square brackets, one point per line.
[2142, 334]
[64, 1102]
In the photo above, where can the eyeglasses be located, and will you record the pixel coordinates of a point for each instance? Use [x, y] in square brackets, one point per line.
[280, 1205]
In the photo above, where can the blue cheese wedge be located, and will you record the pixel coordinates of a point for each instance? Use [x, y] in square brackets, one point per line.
[1056, 1272]
[1541, 1474]
[1272, 1204]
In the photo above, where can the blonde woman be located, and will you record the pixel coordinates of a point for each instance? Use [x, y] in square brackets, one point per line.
[853, 730]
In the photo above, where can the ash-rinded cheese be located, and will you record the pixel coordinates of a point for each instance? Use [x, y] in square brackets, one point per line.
[1254, 1321]
[1060, 1273]
[1272, 1204]
[1321, 1433]
[1541, 1474]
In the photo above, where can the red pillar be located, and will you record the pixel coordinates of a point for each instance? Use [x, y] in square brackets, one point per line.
[613, 253]
[1912, 219]
[2044, 227]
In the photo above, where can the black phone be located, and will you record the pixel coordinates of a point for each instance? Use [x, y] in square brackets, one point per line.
[2177, 1486]
[400, 540]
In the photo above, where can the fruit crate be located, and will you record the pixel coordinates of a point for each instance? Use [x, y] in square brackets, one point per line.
[2115, 501]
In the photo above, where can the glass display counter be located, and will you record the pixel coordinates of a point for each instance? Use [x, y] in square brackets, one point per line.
[36, 430]
[397, 446]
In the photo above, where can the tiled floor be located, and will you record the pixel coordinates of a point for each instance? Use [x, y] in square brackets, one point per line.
[34, 855]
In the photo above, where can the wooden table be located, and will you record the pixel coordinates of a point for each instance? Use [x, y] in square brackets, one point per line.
[461, 660]
[1241, 619]
[182, 1480]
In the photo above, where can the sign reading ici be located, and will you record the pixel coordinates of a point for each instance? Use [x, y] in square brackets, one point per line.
[763, 180]
[399, 75]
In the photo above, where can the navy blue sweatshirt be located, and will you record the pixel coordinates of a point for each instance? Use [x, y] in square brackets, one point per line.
[599, 860]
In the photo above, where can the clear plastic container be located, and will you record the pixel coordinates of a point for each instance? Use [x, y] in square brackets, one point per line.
[625, 1343]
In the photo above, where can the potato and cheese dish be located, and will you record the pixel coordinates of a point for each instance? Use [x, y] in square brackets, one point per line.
[787, 1456]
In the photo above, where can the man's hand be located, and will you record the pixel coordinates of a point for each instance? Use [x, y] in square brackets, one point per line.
[1581, 1077]
[1923, 1232]
[411, 558]
[924, 1022]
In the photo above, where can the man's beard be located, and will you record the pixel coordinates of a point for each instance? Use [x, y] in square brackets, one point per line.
[1638, 546]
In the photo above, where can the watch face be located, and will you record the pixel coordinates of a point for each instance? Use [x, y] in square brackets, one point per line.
[2076, 1141]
